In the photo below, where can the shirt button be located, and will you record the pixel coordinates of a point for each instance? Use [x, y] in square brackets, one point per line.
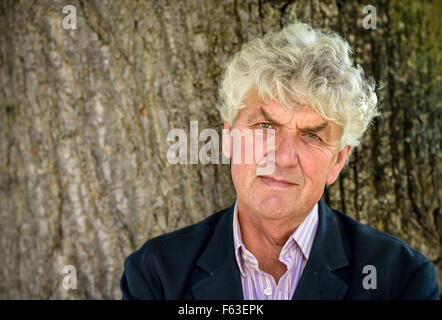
[268, 291]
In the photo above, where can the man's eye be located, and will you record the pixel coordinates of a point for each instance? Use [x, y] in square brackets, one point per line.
[312, 136]
[265, 125]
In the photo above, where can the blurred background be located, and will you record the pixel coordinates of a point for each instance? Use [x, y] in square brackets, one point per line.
[85, 113]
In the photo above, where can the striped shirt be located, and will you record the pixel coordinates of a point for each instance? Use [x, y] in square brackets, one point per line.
[259, 285]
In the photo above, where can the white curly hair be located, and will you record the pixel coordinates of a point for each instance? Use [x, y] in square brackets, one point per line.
[302, 63]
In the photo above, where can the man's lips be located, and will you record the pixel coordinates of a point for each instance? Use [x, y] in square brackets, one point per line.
[276, 182]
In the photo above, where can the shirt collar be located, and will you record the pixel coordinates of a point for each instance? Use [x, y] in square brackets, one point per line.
[303, 235]
[238, 240]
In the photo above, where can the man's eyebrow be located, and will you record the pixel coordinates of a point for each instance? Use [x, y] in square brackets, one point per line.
[318, 128]
[265, 115]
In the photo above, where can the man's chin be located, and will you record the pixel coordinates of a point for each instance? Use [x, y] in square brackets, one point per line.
[272, 206]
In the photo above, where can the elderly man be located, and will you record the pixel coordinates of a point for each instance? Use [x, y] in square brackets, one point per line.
[279, 240]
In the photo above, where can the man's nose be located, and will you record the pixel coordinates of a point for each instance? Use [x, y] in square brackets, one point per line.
[286, 154]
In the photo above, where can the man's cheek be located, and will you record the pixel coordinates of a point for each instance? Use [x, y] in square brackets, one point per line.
[242, 146]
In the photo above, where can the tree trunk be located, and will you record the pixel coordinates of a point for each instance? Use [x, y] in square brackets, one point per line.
[85, 113]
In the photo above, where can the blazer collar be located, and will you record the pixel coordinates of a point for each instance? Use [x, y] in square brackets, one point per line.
[318, 280]
[222, 280]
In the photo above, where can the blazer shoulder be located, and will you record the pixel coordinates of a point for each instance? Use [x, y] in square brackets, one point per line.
[366, 239]
[184, 240]
[162, 266]
[404, 272]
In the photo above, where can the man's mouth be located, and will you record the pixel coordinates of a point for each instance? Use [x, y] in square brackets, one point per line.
[276, 182]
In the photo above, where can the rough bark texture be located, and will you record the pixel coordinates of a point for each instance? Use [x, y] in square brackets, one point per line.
[84, 116]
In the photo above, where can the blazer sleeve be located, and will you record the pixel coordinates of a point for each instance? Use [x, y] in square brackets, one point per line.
[133, 284]
[422, 284]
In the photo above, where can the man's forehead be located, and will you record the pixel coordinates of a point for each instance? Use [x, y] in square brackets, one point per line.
[253, 97]
[270, 106]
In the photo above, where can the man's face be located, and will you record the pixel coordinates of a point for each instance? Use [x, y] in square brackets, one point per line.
[306, 159]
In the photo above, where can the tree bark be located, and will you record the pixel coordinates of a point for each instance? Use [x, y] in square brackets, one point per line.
[85, 113]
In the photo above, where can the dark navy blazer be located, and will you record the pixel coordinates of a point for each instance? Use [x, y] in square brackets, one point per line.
[198, 262]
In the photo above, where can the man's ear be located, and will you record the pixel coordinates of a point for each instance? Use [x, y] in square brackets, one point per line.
[227, 141]
[341, 159]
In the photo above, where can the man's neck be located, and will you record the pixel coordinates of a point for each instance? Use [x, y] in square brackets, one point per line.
[265, 238]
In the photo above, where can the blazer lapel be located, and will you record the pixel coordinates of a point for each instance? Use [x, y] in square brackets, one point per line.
[221, 278]
[318, 280]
